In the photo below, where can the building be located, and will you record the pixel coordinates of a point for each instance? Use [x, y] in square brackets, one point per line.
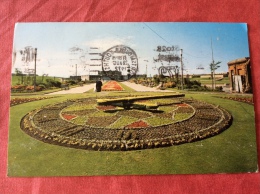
[240, 75]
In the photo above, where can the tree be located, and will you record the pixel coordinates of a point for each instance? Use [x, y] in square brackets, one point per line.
[213, 67]
[19, 73]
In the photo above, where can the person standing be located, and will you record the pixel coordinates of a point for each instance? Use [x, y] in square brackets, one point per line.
[98, 85]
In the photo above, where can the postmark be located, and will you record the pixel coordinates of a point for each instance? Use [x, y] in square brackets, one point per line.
[120, 58]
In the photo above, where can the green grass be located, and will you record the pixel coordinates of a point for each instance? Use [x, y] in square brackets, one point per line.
[18, 79]
[232, 151]
[123, 121]
[39, 79]
[208, 81]
[156, 121]
[126, 88]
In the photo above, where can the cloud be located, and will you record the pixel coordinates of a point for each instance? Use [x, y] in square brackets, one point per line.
[107, 42]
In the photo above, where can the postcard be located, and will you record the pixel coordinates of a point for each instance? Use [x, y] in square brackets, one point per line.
[136, 98]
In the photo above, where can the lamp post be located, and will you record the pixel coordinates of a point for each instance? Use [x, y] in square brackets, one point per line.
[146, 68]
[181, 71]
[76, 70]
[146, 71]
[35, 56]
[128, 71]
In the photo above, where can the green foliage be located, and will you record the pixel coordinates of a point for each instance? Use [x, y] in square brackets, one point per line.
[214, 66]
[192, 84]
[53, 83]
[42, 86]
[157, 121]
[156, 80]
[72, 82]
[80, 120]
[181, 116]
[123, 121]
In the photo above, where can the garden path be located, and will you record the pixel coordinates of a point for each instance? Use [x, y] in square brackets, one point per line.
[82, 89]
[77, 90]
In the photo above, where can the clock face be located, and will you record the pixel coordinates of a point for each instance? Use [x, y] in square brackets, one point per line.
[120, 58]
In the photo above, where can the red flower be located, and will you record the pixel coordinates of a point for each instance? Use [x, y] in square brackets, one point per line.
[68, 117]
[136, 124]
[182, 105]
[112, 86]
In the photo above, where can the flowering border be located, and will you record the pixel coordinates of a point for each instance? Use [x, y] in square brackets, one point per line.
[17, 101]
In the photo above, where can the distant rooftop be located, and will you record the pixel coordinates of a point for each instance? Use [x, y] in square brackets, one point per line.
[240, 60]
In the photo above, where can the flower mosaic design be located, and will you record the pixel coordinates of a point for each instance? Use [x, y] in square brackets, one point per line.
[85, 125]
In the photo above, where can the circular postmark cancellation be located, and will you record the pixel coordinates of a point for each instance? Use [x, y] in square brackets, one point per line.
[120, 58]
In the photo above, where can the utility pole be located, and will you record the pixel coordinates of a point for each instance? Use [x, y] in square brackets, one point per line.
[181, 71]
[146, 68]
[35, 56]
[213, 67]
[76, 70]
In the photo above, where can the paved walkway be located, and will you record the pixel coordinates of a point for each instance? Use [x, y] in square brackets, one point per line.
[85, 88]
[77, 90]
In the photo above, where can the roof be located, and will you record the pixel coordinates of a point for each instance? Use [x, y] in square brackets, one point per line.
[240, 60]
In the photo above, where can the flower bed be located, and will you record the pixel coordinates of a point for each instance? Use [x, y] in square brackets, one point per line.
[109, 107]
[24, 88]
[16, 101]
[112, 86]
[197, 120]
[248, 100]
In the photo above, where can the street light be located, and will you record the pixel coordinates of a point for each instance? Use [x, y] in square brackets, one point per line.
[146, 68]
[128, 71]
[181, 70]
[35, 56]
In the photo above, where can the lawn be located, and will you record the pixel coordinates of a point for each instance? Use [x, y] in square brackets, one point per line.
[29, 79]
[208, 81]
[232, 151]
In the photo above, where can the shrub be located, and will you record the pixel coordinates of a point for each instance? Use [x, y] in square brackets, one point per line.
[219, 88]
[42, 87]
[72, 82]
[53, 83]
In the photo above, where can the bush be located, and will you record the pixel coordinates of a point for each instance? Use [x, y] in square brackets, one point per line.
[71, 82]
[219, 88]
[169, 84]
[192, 84]
[156, 80]
[195, 87]
[53, 83]
[42, 86]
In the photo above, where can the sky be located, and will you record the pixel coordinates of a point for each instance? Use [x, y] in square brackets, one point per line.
[60, 46]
